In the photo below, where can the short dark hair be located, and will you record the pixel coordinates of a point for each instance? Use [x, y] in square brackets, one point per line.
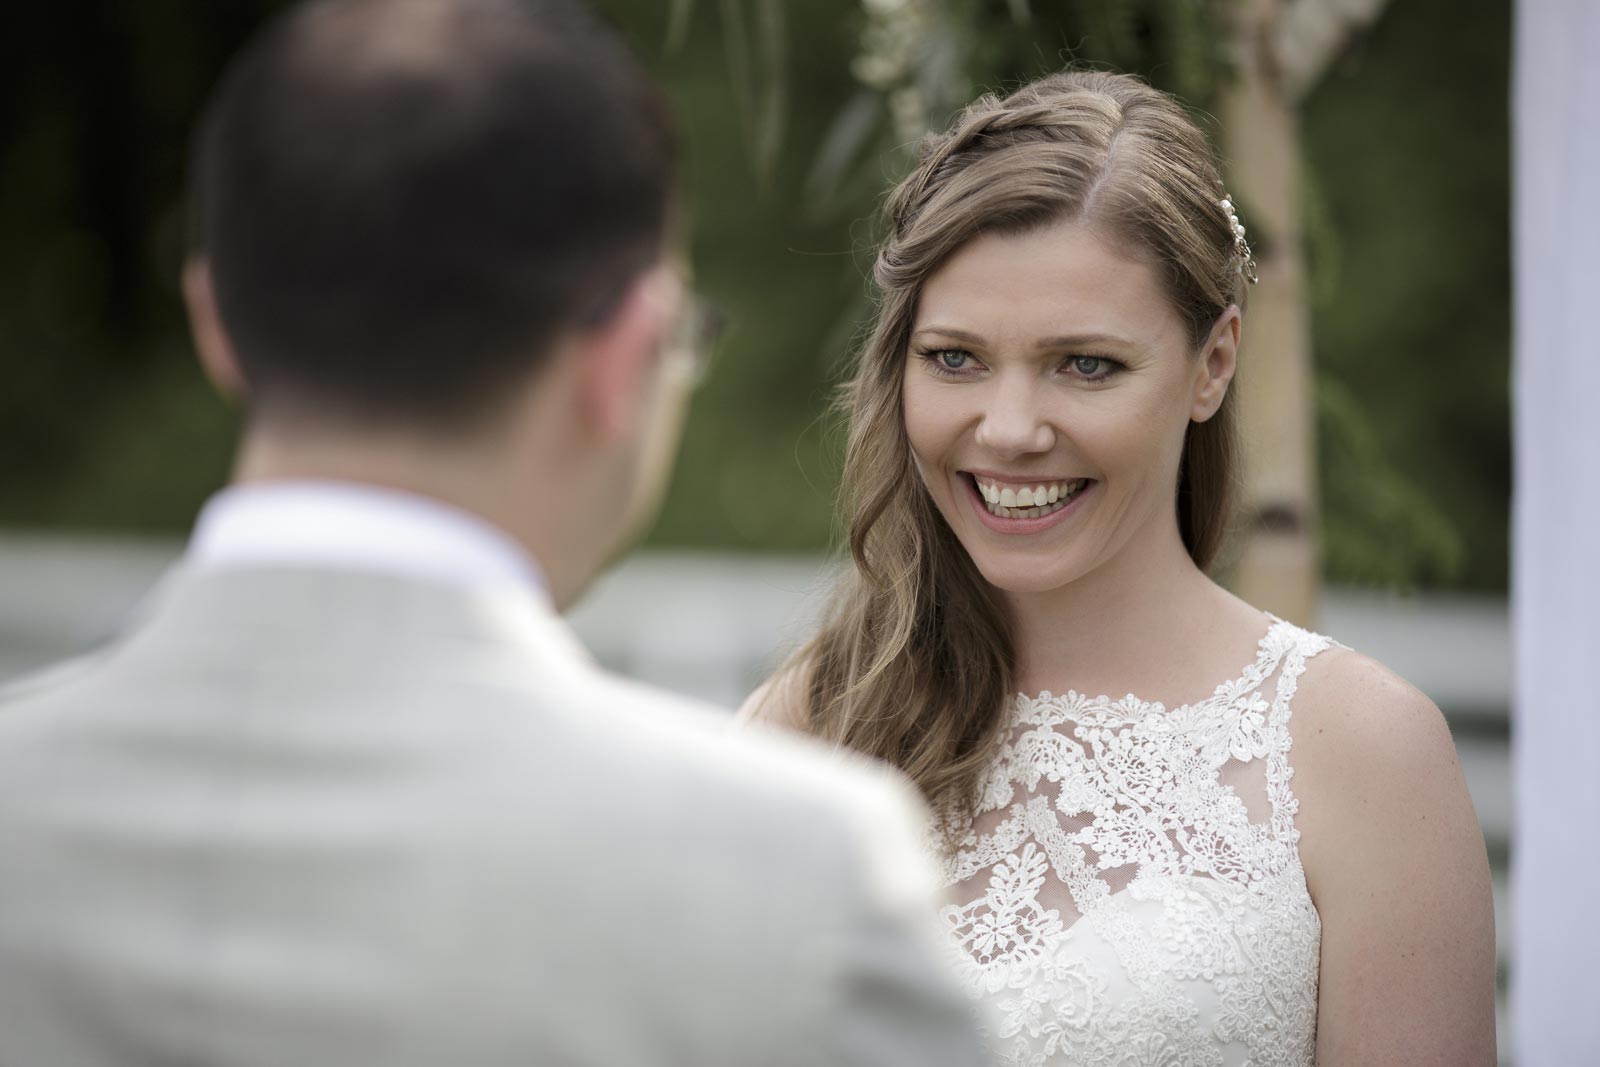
[403, 202]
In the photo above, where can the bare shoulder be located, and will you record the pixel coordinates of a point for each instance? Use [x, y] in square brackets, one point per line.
[1395, 862]
[779, 701]
[1352, 713]
[1373, 762]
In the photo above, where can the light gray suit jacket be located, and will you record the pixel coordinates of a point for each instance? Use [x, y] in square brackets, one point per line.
[308, 818]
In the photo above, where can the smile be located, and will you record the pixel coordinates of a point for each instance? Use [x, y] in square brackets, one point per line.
[1009, 501]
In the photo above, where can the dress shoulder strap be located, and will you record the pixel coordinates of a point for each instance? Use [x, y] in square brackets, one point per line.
[1294, 648]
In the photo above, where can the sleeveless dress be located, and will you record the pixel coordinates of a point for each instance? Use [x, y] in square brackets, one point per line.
[1131, 892]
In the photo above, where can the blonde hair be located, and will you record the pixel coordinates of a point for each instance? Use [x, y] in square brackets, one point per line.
[914, 663]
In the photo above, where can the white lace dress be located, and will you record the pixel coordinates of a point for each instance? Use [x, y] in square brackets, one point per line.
[1131, 891]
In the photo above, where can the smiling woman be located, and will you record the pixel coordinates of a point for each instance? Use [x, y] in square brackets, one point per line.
[1040, 465]
[1045, 360]
[987, 299]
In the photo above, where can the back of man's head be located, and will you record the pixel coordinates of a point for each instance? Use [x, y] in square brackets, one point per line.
[403, 203]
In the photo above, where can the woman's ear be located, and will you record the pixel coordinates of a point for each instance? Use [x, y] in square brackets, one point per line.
[211, 342]
[1218, 360]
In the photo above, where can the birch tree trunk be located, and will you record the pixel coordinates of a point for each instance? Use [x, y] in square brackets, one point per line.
[1280, 49]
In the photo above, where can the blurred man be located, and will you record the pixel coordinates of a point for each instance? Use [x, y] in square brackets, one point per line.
[349, 794]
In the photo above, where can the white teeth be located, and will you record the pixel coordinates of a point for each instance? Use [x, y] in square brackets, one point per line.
[1029, 502]
[1040, 494]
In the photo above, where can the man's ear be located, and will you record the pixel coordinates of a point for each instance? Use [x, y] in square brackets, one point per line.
[211, 342]
[618, 357]
[1218, 360]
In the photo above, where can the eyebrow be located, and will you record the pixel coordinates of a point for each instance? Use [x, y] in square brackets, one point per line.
[1080, 340]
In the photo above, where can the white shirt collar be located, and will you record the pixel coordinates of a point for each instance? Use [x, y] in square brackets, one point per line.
[357, 526]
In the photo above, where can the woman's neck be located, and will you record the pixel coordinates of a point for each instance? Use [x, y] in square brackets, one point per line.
[1148, 618]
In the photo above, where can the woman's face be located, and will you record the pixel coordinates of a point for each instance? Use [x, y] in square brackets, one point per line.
[1048, 388]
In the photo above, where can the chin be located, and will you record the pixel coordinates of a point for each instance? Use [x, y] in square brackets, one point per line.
[1022, 577]
[1025, 569]
[1036, 569]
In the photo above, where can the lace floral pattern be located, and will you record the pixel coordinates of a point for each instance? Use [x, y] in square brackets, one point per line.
[1131, 892]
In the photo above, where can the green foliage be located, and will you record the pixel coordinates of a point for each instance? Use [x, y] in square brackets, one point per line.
[1179, 45]
[1407, 149]
[921, 60]
[104, 419]
[756, 36]
[104, 422]
[1378, 528]
[759, 465]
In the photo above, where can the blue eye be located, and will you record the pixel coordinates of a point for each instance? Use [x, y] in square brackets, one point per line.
[949, 362]
[1093, 368]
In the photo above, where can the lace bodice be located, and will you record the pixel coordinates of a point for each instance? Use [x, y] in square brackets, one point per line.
[1131, 892]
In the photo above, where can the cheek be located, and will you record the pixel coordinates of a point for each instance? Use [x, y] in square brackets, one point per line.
[1151, 443]
[1133, 438]
[928, 425]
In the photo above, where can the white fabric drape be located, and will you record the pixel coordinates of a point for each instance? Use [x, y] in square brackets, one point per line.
[1555, 990]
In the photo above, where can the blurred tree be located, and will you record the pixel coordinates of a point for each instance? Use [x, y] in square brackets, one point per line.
[1280, 51]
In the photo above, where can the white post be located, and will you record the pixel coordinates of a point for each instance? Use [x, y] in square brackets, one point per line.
[1555, 961]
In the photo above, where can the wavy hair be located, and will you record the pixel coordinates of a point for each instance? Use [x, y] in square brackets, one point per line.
[914, 662]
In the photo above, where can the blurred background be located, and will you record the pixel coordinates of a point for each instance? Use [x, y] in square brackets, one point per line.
[1366, 143]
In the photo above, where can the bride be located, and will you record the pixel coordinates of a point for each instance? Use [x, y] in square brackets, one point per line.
[1265, 854]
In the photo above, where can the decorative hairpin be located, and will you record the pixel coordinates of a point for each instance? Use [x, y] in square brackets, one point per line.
[1241, 247]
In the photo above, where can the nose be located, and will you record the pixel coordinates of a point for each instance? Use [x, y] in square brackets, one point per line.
[1013, 423]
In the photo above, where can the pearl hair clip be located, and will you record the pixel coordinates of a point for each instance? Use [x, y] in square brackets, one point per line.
[1241, 247]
